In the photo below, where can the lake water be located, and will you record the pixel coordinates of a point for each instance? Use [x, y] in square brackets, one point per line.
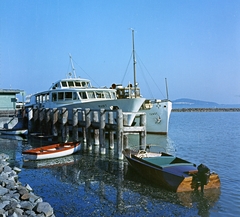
[88, 184]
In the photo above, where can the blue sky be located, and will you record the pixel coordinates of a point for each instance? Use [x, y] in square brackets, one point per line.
[194, 44]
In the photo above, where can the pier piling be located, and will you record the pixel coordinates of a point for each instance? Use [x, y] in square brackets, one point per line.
[110, 132]
[93, 125]
[75, 125]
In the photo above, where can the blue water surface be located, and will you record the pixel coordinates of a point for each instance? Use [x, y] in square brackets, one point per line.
[90, 184]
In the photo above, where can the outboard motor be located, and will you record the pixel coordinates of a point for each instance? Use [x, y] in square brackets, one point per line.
[203, 175]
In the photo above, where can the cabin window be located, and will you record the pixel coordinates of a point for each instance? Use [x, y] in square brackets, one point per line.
[64, 83]
[68, 96]
[37, 99]
[91, 95]
[47, 97]
[43, 98]
[77, 84]
[60, 95]
[84, 84]
[113, 95]
[75, 96]
[99, 94]
[83, 95]
[70, 84]
[107, 95]
[54, 96]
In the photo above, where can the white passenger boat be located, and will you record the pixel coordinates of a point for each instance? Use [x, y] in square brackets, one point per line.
[74, 92]
[157, 110]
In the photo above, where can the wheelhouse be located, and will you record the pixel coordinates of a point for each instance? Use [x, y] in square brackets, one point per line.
[71, 83]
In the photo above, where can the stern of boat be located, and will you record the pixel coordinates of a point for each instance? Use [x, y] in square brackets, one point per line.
[191, 183]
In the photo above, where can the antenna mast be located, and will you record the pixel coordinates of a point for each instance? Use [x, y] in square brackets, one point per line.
[73, 69]
[134, 65]
[166, 87]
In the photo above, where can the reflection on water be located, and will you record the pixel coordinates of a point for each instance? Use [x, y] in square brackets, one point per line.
[155, 143]
[110, 186]
[89, 184]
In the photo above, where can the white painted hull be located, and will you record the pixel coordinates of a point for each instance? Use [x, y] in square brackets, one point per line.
[157, 117]
[55, 155]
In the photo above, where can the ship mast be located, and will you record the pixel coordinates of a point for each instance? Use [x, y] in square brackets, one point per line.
[166, 87]
[73, 69]
[134, 65]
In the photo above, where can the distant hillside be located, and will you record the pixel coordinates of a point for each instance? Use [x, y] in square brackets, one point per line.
[191, 103]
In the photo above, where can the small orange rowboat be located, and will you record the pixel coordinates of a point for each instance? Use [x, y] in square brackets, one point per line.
[52, 151]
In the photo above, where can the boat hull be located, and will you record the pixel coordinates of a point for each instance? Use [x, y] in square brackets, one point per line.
[179, 178]
[157, 115]
[52, 151]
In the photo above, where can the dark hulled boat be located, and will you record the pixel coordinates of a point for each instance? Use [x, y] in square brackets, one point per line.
[171, 172]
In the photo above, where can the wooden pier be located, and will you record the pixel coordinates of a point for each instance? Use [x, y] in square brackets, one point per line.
[93, 124]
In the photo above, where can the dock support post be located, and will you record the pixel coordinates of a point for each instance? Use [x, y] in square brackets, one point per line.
[102, 131]
[125, 119]
[96, 131]
[64, 127]
[54, 118]
[82, 119]
[111, 133]
[119, 134]
[47, 121]
[88, 128]
[125, 141]
[75, 125]
[35, 118]
[30, 119]
[41, 120]
[143, 133]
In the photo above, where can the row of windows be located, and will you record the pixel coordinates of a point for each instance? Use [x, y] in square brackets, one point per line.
[67, 96]
[76, 84]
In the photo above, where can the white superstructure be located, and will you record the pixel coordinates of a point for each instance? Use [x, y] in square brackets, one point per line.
[78, 93]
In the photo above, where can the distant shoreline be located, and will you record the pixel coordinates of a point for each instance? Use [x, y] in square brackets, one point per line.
[206, 110]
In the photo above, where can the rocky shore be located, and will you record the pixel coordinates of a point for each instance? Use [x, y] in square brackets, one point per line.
[17, 200]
